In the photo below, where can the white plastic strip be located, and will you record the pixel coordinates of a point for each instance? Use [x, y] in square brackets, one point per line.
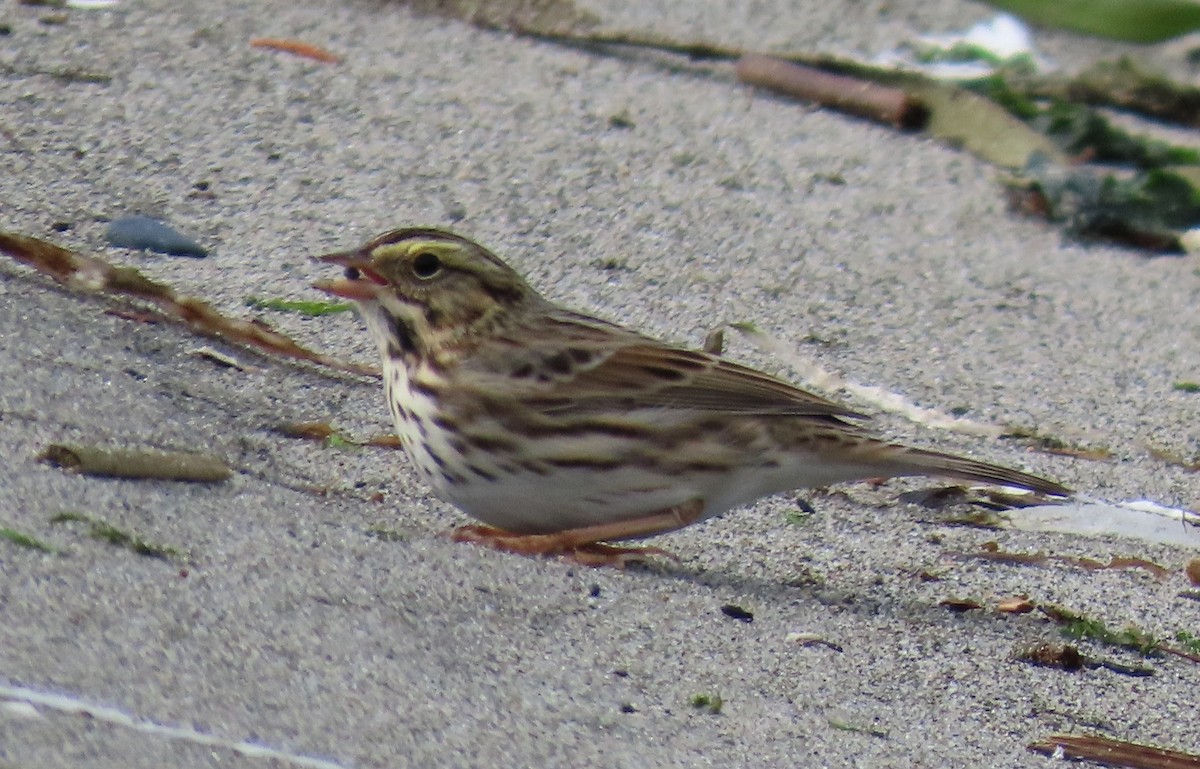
[17, 695]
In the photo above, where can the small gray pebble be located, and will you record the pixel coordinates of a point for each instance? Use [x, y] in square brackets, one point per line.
[142, 232]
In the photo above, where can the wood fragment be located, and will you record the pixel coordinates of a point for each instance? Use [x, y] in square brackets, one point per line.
[221, 359]
[90, 273]
[812, 639]
[959, 605]
[297, 48]
[384, 441]
[890, 106]
[1062, 656]
[1171, 458]
[991, 552]
[1177, 652]
[1016, 604]
[133, 463]
[1110, 752]
[311, 431]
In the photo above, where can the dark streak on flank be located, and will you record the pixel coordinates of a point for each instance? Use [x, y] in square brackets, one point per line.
[445, 423]
[424, 388]
[437, 460]
[580, 356]
[559, 363]
[705, 467]
[612, 430]
[484, 474]
[535, 467]
[490, 443]
[583, 463]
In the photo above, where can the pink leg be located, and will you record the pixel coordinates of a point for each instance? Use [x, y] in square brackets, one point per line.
[585, 545]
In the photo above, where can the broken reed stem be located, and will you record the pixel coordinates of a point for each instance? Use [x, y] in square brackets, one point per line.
[93, 274]
[133, 463]
[891, 106]
[1110, 752]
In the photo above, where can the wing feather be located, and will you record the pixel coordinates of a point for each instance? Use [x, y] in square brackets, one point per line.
[583, 365]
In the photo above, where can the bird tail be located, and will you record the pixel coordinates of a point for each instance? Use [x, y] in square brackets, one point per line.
[922, 462]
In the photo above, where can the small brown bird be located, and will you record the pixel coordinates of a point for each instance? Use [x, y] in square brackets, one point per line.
[562, 432]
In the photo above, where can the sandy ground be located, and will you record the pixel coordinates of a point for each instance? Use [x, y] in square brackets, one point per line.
[296, 628]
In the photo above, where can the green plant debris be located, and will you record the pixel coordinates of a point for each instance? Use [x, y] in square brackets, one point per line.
[384, 534]
[711, 703]
[65, 74]
[845, 726]
[994, 118]
[964, 52]
[1188, 641]
[339, 441]
[1121, 83]
[310, 308]
[965, 119]
[1083, 132]
[1150, 209]
[1079, 627]
[1186, 387]
[621, 120]
[104, 531]
[746, 327]
[799, 517]
[957, 116]
[324, 432]
[1135, 21]
[25, 540]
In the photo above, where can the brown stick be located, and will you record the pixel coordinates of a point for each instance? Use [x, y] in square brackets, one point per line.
[1109, 752]
[891, 106]
[94, 274]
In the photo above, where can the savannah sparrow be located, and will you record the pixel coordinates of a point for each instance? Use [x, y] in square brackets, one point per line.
[562, 432]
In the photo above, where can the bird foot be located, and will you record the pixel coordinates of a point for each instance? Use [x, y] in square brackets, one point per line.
[560, 545]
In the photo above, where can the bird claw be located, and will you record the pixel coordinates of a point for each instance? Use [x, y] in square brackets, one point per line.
[593, 554]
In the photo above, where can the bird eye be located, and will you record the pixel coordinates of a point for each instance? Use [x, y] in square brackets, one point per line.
[425, 265]
[352, 273]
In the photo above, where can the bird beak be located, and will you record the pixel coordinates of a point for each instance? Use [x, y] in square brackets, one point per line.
[362, 289]
[346, 289]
